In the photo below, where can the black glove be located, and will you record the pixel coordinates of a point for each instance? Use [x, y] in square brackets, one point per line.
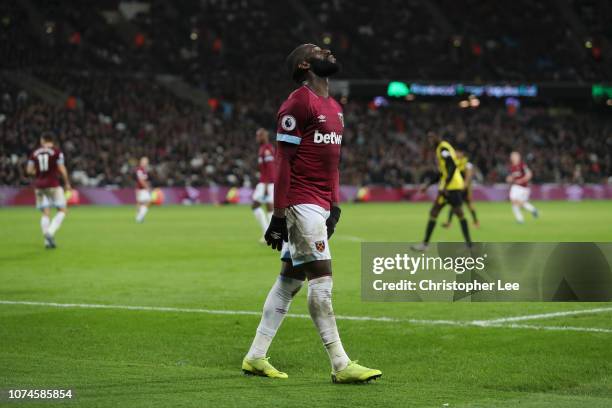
[332, 220]
[276, 232]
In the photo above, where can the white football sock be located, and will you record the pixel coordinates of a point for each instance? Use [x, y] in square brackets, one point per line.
[142, 211]
[529, 207]
[517, 213]
[274, 311]
[44, 224]
[322, 314]
[260, 216]
[56, 223]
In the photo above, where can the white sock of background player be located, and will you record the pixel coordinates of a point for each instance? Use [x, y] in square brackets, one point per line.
[274, 311]
[517, 213]
[44, 223]
[56, 223]
[322, 314]
[142, 211]
[529, 207]
[260, 216]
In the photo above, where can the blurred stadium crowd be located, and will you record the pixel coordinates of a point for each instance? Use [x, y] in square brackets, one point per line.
[106, 59]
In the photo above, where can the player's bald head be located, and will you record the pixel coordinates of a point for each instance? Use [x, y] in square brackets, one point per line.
[515, 157]
[144, 161]
[295, 58]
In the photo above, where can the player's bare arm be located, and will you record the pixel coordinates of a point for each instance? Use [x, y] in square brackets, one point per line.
[428, 183]
[469, 173]
[30, 169]
[64, 172]
[450, 169]
[526, 178]
[334, 214]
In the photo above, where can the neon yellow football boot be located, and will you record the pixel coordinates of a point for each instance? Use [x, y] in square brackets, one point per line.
[355, 373]
[261, 367]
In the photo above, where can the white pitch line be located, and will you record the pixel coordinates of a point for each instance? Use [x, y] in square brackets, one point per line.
[553, 328]
[497, 323]
[350, 238]
[219, 312]
[541, 316]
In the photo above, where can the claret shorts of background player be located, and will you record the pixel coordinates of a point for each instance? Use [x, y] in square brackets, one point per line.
[307, 234]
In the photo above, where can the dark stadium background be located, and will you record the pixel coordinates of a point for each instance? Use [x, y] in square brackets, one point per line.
[187, 83]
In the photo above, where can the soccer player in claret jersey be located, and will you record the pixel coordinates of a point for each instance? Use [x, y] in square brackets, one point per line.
[264, 191]
[143, 189]
[450, 190]
[47, 163]
[519, 177]
[309, 133]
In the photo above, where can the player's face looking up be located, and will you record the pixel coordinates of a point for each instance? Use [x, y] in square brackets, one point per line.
[322, 62]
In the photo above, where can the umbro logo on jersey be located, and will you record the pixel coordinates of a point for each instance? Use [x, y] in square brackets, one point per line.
[327, 138]
[321, 118]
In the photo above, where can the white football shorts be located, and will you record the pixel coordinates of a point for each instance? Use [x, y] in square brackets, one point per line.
[143, 196]
[50, 198]
[519, 193]
[260, 194]
[307, 234]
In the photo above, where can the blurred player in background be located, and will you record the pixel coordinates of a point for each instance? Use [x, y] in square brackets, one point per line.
[264, 191]
[310, 124]
[47, 163]
[450, 190]
[143, 189]
[467, 172]
[519, 177]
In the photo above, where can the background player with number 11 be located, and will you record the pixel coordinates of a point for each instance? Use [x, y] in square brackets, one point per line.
[46, 163]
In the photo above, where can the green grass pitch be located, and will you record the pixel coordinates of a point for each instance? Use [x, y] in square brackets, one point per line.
[209, 257]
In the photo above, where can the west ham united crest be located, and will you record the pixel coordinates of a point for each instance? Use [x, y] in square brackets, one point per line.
[341, 117]
[320, 246]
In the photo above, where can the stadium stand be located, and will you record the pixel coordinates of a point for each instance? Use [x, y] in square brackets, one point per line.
[108, 61]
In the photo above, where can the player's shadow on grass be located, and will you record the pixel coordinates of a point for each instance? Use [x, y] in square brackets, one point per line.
[24, 256]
